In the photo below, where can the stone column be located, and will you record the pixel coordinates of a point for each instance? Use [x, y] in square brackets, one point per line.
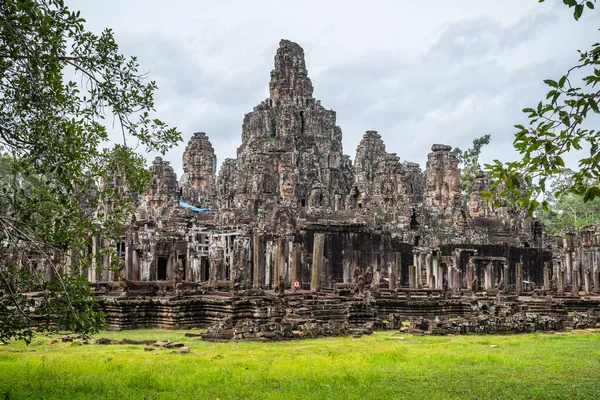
[560, 281]
[575, 278]
[240, 274]
[189, 269]
[317, 265]
[519, 274]
[489, 269]
[412, 277]
[268, 264]
[470, 272]
[415, 264]
[325, 281]
[135, 261]
[506, 277]
[256, 257]
[127, 267]
[428, 269]
[215, 267]
[596, 272]
[171, 265]
[284, 255]
[422, 271]
[547, 275]
[435, 267]
[419, 270]
[296, 274]
[569, 267]
[586, 280]
[106, 270]
[277, 267]
[391, 276]
[92, 274]
[148, 270]
[376, 279]
[347, 272]
[397, 268]
[458, 280]
[68, 263]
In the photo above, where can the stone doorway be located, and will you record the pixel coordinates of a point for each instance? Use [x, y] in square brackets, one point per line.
[161, 271]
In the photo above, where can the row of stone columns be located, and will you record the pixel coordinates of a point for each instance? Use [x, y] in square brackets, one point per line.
[455, 278]
[579, 275]
[285, 259]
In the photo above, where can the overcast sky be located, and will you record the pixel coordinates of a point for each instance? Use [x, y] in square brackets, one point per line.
[419, 73]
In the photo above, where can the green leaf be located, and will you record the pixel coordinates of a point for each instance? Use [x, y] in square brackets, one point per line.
[562, 81]
[594, 105]
[578, 11]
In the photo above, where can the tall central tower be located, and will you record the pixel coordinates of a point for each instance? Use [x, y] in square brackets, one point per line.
[291, 153]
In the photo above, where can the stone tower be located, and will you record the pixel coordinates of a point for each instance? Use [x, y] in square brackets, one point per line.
[291, 153]
[290, 77]
[370, 151]
[199, 168]
[442, 186]
[381, 179]
[226, 184]
[163, 188]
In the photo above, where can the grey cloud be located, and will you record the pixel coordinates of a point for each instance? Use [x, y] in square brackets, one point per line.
[422, 88]
[478, 37]
[468, 76]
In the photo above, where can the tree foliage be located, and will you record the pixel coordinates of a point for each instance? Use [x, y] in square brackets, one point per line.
[569, 210]
[468, 161]
[60, 85]
[556, 126]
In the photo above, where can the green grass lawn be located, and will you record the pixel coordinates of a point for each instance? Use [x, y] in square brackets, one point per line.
[386, 365]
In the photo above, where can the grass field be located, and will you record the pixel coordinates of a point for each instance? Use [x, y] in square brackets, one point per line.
[386, 365]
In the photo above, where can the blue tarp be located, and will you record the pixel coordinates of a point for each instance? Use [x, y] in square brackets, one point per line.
[193, 208]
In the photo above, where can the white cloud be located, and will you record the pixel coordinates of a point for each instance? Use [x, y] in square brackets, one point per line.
[417, 72]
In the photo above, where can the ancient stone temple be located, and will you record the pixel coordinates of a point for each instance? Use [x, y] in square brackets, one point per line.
[293, 224]
[291, 155]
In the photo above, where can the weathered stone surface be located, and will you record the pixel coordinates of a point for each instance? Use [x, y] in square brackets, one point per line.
[290, 77]
[477, 206]
[249, 330]
[130, 341]
[369, 153]
[291, 160]
[164, 183]
[442, 180]
[199, 168]
[226, 183]
[162, 193]
[104, 340]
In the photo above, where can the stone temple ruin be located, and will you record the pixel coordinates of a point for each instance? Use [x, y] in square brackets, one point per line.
[292, 234]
